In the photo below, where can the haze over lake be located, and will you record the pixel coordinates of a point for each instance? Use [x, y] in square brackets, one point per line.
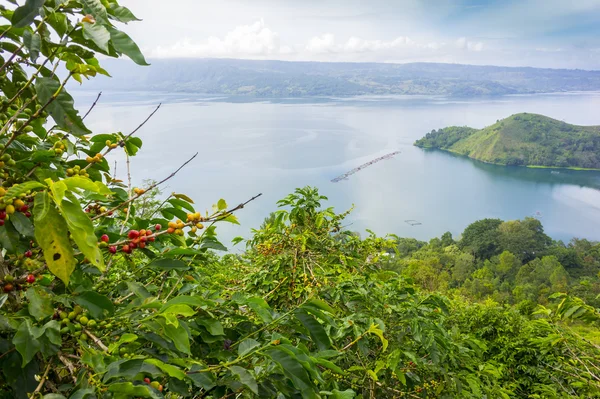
[271, 147]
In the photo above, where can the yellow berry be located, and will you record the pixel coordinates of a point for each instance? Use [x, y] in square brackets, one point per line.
[10, 209]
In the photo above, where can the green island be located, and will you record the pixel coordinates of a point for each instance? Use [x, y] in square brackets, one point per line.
[111, 291]
[522, 140]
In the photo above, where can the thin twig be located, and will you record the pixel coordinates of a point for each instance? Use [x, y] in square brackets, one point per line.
[42, 380]
[96, 340]
[69, 366]
[93, 105]
[145, 190]
[129, 191]
[109, 149]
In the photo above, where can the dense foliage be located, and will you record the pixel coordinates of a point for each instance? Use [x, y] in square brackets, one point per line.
[267, 79]
[522, 139]
[112, 292]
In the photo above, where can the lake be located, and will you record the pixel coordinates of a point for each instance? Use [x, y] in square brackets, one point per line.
[271, 147]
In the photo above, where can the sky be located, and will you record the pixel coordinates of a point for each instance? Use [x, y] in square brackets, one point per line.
[538, 33]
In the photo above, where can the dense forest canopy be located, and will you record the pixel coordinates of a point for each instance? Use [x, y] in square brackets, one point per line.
[522, 139]
[111, 291]
[255, 78]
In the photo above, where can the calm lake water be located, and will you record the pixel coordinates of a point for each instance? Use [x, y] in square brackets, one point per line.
[249, 147]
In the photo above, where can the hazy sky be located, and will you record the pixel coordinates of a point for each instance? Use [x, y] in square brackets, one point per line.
[541, 33]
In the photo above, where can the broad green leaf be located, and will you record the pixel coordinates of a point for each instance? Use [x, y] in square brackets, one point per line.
[125, 339]
[52, 236]
[181, 204]
[26, 342]
[374, 329]
[171, 371]
[97, 33]
[213, 326]
[83, 393]
[329, 364]
[178, 335]
[221, 205]
[246, 346]
[85, 183]
[186, 300]
[122, 43]
[205, 380]
[183, 197]
[261, 308]
[212, 243]
[133, 391]
[123, 369]
[40, 303]
[61, 109]
[9, 238]
[171, 213]
[58, 21]
[293, 369]
[26, 14]
[22, 224]
[98, 305]
[245, 378]
[316, 330]
[347, 394]
[32, 42]
[168, 264]
[96, 8]
[122, 14]
[179, 310]
[82, 231]
[19, 189]
[58, 190]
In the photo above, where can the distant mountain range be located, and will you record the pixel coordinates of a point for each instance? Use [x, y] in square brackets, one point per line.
[522, 139]
[304, 79]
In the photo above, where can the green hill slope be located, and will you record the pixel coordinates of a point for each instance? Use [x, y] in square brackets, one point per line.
[522, 139]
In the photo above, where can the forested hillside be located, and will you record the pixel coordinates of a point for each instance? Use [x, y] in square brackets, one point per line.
[522, 139]
[112, 291]
[250, 78]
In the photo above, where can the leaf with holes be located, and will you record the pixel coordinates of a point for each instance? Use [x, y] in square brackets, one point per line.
[52, 236]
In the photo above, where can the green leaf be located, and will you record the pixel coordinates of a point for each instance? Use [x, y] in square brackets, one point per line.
[329, 364]
[26, 14]
[54, 396]
[33, 42]
[212, 243]
[245, 378]
[374, 329]
[122, 14]
[25, 341]
[125, 339]
[177, 334]
[40, 303]
[96, 304]
[96, 8]
[181, 204]
[131, 391]
[123, 369]
[171, 371]
[58, 190]
[168, 264]
[20, 189]
[347, 394]
[213, 326]
[122, 43]
[98, 34]
[82, 231]
[61, 109]
[261, 308]
[9, 238]
[186, 300]
[183, 197]
[293, 369]
[22, 224]
[246, 346]
[83, 393]
[171, 213]
[51, 234]
[85, 183]
[221, 205]
[316, 330]
[180, 310]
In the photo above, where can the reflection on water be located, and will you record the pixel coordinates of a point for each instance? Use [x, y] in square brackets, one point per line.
[275, 146]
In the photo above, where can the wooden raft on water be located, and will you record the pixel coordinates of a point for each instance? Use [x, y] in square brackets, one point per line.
[361, 167]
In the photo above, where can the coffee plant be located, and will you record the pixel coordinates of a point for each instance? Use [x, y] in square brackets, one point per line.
[109, 291]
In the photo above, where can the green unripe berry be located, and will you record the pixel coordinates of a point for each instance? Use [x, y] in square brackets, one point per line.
[63, 315]
[72, 315]
[84, 320]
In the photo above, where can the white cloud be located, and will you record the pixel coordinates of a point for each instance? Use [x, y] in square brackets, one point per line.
[465, 44]
[322, 44]
[245, 40]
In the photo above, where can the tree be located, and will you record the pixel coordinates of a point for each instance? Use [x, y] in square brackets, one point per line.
[526, 239]
[482, 238]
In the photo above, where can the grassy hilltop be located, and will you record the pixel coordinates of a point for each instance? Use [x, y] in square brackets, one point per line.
[522, 139]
